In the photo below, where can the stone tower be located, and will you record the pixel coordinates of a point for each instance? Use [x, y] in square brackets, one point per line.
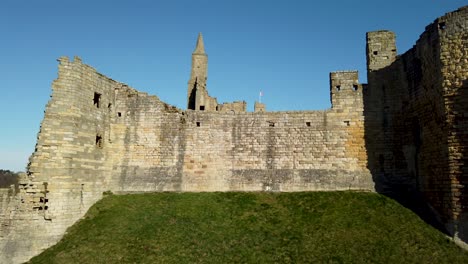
[198, 75]
[345, 90]
[380, 49]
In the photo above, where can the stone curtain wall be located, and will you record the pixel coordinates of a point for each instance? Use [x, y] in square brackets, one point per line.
[284, 151]
[416, 107]
[156, 147]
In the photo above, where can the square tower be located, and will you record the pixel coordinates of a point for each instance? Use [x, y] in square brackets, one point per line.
[380, 49]
[345, 90]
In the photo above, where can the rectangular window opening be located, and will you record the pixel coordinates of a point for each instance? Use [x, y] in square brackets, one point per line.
[198, 124]
[442, 25]
[355, 87]
[99, 141]
[119, 114]
[308, 124]
[202, 107]
[338, 87]
[271, 124]
[346, 122]
[97, 99]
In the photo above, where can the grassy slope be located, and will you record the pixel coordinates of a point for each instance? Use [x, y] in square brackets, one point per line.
[311, 227]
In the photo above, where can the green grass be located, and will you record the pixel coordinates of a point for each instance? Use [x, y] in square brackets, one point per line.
[314, 227]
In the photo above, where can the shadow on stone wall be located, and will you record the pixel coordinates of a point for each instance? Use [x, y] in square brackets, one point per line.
[394, 141]
[462, 107]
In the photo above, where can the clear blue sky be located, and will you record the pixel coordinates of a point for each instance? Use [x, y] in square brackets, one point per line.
[286, 48]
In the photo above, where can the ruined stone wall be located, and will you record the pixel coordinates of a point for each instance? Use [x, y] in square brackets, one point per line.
[148, 139]
[236, 107]
[417, 103]
[156, 147]
[5, 198]
[101, 135]
[69, 169]
[408, 128]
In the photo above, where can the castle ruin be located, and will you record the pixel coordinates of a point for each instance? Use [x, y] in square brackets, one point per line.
[408, 127]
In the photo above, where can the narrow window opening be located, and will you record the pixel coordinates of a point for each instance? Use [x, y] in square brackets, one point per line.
[442, 25]
[198, 124]
[81, 194]
[119, 114]
[97, 99]
[376, 52]
[46, 207]
[308, 124]
[346, 122]
[109, 106]
[394, 50]
[355, 87]
[338, 87]
[271, 124]
[99, 141]
[202, 107]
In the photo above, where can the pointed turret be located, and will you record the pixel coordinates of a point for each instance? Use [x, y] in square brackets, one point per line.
[200, 48]
[197, 83]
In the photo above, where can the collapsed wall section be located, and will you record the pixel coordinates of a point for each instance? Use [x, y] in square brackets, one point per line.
[69, 169]
[148, 143]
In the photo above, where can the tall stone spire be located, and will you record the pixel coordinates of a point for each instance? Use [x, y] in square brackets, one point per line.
[200, 48]
[198, 76]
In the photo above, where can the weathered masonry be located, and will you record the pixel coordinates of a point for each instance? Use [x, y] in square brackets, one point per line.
[407, 127]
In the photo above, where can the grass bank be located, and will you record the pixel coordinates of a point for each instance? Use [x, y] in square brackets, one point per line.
[314, 227]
